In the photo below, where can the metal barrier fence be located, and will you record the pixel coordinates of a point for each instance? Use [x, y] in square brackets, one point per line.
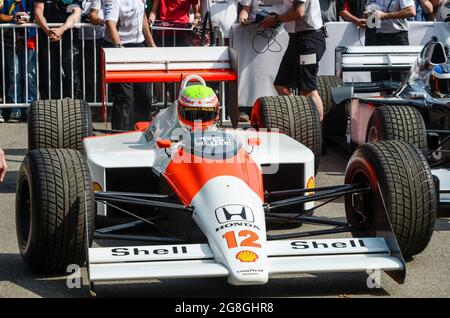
[59, 80]
[16, 61]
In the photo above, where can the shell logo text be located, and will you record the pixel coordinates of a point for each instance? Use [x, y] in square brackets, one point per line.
[247, 256]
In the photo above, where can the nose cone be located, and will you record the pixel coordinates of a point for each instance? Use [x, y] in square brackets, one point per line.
[232, 217]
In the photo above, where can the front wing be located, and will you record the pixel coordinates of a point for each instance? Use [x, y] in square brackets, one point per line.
[285, 257]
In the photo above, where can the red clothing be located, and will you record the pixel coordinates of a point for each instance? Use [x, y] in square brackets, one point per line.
[175, 10]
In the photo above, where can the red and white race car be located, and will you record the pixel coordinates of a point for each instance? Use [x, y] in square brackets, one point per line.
[208, 202]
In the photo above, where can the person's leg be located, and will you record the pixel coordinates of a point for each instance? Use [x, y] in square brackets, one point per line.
[371, 40]
[311, 49]
[88, 55]
[56, 78]
[32, 79]
[288, 71]
[283, 90]
[21, 81]
[317, 101]
[14, 71]
[43, 48]
[383, 39]
[70, 58]
[122, 109]
[142, 100]
[400, 38]
[11, 71]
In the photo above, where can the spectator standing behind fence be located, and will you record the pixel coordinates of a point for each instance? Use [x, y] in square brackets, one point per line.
[175, 11]
[328, 8]
[355, 11]
[67, 12]
[20, 55]
[131, 102]
[390, 20]
[251, 8]
[424, 10]
[300, 63]
[90, 42]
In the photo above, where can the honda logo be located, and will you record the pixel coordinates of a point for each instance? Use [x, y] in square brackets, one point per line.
[230, 213]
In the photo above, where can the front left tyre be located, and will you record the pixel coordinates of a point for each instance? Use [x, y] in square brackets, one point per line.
[400, 171]
[54, 210]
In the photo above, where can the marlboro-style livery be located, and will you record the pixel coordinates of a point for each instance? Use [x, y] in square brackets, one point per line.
[200, 200]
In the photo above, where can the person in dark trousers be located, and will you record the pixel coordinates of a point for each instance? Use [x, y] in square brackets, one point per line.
[63, 49]
[300, 63]
[131, 102]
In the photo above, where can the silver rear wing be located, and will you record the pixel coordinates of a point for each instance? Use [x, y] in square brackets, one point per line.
[375, 58]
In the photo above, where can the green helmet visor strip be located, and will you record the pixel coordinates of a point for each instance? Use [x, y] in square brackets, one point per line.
[198, 103]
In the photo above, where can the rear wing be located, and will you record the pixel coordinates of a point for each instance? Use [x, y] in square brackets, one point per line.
[375, 58]
[172, 65]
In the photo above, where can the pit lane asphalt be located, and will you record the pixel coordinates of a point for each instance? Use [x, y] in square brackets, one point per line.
[428, 274]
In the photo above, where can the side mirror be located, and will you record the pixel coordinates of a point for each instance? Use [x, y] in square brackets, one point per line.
[163, 143]
[437, 54]
[254, 141]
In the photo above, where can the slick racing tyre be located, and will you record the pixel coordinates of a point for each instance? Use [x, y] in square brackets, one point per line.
[54, 200]
[406, 183]
[58, 124]
[295, 116]
[335, 116]
[397, 123]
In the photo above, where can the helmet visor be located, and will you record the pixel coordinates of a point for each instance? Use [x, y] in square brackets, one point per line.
[191, 114]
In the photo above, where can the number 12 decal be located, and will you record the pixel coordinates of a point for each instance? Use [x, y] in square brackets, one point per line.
[250, 239]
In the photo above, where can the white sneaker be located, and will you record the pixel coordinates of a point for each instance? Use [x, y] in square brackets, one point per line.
[2, 120]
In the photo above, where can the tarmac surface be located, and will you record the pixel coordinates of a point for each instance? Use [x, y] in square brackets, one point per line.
[428, 274]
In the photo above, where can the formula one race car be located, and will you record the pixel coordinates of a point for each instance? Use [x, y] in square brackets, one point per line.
[207, 200]
[417, 111]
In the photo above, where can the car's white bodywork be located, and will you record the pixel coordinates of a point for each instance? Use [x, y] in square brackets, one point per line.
[227, 208]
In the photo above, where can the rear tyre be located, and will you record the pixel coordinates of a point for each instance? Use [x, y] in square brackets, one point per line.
[407, 186]
[295, 116]
[335, 116]
[54, 200]
[397, 123]
[59, 124]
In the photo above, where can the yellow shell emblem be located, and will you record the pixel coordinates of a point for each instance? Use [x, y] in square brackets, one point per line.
[247, 256]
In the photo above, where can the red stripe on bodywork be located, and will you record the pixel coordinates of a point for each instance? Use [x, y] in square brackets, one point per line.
[167, 76]
[186, 174]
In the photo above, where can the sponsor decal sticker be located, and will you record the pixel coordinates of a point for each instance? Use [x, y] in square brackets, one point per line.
[212, 141]
[169, 250]
[250, 239]
[247, 256]
[231, 213]
[250, 271]
[302, 245]
[236, 224]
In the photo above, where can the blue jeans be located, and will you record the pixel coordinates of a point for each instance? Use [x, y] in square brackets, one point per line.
[16, 62]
